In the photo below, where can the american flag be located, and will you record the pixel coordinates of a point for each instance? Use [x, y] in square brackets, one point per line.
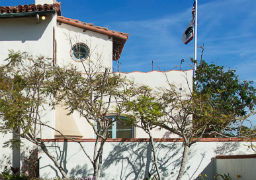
[189, 32]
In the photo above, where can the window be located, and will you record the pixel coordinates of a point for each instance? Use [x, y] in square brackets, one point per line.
[121, 128]
[80, 52]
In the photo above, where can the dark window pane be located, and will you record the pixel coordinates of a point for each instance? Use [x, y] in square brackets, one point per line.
[124, 129]
[80, 51]
[124, 134]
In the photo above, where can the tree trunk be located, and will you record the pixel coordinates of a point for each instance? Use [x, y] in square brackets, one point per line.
[183, 161]
[100, 164]
[97, 162]
[97, 168]
[44, 148]
[96, 172]
[16, 150]
[154, 154]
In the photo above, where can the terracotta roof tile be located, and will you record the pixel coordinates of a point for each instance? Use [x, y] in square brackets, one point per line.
[119, 38]
[31, 8]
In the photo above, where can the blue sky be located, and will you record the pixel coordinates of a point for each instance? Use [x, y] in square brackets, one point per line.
[225, 27]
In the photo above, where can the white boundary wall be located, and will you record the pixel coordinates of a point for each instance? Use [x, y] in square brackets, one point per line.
[133, 160]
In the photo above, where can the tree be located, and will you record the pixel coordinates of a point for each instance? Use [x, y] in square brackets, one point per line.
[171, 110]
[144, 110]
[30, 84]
[23, 98]
[178, 109]
[202, 112]
[95, 95]
[248, 132]
[218, 100]
[226, 93]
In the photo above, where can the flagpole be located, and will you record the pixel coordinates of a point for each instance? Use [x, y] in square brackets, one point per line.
[195, 41]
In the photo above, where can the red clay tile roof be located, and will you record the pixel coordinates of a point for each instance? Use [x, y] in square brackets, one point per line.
[119, 38]
[31, 8]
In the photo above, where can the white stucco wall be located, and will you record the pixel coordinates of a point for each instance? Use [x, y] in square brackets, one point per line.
[48, 117]
[5, 152]
[160, 79]
[155, 80]
[133, 160]
[27, 35]
[45, 2]
[101, 47]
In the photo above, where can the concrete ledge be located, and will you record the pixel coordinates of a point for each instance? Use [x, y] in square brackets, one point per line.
[155, 139]
[236, 156]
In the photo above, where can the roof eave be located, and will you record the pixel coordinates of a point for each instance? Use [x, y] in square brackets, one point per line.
[26, 14]
[118, 44]
[94, 28]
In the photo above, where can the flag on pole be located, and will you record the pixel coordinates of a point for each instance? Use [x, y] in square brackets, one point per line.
[193, 12]
[189, 32]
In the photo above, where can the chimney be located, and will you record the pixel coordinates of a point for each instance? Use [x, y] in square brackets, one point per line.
[45, 2]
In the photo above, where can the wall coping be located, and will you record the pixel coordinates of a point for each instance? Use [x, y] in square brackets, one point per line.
[142, 72]
[155, 139]
[246, 156]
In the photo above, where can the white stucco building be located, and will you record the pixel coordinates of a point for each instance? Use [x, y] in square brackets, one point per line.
[40, 30]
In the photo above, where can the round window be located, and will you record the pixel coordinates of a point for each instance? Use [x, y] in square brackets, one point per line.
[80, 51]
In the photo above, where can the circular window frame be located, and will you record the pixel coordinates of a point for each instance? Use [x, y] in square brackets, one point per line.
[74, 57]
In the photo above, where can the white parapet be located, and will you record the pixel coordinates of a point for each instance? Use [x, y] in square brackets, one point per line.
[45, 2]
